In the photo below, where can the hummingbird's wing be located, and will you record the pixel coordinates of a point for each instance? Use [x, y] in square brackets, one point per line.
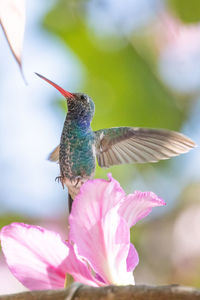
[54, 155]
[125, 145]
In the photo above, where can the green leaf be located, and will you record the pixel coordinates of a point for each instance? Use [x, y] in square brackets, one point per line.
[187, 10]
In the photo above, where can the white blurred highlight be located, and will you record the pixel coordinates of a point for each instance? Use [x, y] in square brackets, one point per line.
[178, 48]
[186, 235]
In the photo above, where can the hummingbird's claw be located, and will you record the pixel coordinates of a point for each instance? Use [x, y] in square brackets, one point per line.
[60, 179]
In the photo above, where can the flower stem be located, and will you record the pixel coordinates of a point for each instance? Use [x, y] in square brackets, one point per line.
[68, 280]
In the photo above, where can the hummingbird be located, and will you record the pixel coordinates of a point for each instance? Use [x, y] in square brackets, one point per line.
[80, 146]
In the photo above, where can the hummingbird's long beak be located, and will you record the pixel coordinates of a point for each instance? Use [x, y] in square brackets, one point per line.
[62, 91]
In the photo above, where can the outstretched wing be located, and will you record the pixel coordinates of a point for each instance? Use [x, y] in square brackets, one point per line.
[125, 145]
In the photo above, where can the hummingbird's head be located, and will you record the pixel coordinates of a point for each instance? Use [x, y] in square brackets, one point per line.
[79, 105]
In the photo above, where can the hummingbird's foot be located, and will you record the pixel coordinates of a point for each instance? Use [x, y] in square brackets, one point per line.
[60, 179]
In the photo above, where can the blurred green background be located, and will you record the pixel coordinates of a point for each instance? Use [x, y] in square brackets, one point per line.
[140, 62]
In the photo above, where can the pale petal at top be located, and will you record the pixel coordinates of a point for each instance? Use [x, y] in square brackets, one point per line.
[12, 19]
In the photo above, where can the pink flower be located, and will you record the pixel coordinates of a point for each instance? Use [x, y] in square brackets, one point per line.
[98, 251]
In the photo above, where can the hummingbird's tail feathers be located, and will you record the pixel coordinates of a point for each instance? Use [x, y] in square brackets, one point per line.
[70, 200]
[54, 155]
[125, 145]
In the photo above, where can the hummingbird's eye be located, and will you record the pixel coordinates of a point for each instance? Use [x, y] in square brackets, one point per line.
[82, 97]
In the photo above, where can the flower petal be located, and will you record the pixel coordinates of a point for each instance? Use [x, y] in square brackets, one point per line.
[35, 256]
[79, 269]
[132, 259]
[103, 241]
[138, 205]
[39, 259]
[97, 197]
[116, 238]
